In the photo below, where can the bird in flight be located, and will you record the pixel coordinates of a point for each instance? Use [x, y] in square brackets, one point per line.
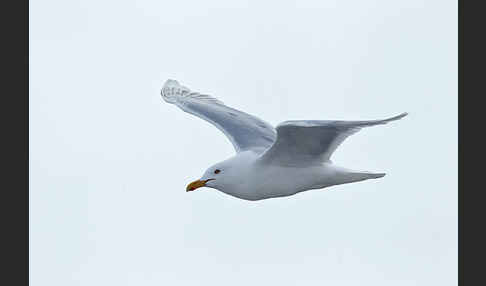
[270, 162]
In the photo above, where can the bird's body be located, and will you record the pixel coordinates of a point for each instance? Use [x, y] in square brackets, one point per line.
[270, 162]
[274, 180]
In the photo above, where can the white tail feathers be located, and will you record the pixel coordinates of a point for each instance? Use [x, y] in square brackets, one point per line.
[376, 175]
[349, 176]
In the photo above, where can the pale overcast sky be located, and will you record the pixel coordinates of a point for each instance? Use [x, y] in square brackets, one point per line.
[109, 159]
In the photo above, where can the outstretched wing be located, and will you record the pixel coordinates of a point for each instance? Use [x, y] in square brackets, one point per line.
[245, 131]
[308, 141]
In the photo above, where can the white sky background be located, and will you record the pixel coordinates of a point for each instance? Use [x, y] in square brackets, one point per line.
[109, 159]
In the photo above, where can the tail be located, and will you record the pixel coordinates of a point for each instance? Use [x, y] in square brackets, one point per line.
[356, 176]
[345, 175]
[375, 175]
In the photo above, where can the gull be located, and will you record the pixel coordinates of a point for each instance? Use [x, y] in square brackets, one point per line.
[270, 162]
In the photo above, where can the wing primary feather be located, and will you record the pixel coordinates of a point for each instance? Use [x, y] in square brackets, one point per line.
[315, 141]
[245, 131]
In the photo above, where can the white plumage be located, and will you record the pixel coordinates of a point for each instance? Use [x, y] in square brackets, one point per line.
[270, 162]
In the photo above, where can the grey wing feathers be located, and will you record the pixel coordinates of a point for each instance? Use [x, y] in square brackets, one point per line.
[244, 131]
[313, 140]
[172, 91]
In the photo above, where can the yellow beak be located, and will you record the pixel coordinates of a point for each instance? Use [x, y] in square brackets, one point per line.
[196, 184]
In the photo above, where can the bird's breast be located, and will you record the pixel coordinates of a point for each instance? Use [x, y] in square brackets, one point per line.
[275, 181]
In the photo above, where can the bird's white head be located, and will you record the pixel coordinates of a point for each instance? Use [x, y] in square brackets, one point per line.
[215, 177]
[224, 175]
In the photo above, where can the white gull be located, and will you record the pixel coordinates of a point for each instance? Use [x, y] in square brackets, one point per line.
[270, 162]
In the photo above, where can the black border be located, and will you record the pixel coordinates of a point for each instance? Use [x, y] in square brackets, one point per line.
[15, 135]
[460, 135]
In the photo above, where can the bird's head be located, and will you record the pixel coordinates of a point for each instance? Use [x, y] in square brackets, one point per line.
[214, 177]
[221, 176]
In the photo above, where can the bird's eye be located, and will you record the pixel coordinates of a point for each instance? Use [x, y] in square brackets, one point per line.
[217, 171]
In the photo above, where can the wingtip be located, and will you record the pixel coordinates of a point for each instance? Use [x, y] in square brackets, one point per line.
[400, 116]
[170, 88]
[171, 82]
